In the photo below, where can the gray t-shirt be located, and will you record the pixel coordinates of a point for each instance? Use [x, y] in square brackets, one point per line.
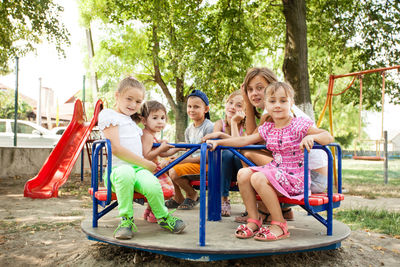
[194, 134]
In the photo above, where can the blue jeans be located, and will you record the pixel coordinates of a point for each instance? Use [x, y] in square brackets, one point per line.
[230, 166]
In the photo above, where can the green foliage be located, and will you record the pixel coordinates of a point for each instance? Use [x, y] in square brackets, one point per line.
[24, 24]
[7, 100]
[348, 36]
[383, 221]
[209, 45]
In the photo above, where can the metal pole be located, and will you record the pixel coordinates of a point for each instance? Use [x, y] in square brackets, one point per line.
[386, 162]
[16, 101]
[39, 105]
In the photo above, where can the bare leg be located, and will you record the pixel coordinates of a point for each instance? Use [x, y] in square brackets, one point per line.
[185, 185]
[248, 195]
[258, 157]
[269, 197]
[178, 197]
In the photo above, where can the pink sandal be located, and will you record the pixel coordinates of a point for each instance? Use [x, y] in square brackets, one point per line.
[248, 233]
[226, 209]
[265, 234]
[148, 215]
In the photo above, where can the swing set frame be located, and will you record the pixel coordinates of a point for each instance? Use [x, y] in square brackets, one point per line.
[328, 105]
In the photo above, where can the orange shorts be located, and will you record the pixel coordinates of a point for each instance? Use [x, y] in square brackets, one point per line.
[187, 169]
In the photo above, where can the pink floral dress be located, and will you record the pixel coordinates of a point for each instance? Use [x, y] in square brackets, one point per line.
[286, 171]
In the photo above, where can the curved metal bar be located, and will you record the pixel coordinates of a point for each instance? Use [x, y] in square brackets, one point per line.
[109, 167]
[94, 183]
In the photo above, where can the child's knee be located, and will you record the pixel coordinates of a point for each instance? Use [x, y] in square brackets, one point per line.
[244, 175]
[172, 174]
[258, 179]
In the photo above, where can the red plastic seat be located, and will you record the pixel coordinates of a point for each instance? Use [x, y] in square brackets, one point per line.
[101, 194]
[313, 200]
[197, 183]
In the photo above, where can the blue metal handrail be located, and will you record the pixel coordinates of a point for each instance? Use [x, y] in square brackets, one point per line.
[214, 172]
[97, 148]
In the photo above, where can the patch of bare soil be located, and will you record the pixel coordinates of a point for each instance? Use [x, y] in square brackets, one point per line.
[47, 233]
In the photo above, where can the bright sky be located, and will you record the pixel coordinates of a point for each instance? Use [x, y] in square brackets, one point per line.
[65, 76]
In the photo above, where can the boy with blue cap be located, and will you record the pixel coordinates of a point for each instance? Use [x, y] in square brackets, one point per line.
[198, 111]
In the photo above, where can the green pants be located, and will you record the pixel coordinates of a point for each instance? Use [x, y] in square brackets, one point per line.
[128, 179]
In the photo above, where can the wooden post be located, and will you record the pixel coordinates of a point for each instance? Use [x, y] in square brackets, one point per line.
[385, 136]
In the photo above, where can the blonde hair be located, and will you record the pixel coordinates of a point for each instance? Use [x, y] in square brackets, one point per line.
[264, 72]
[232, 95]
[131, 82]
[273, 87]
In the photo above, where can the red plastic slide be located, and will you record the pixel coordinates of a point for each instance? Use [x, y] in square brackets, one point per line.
[58, 166]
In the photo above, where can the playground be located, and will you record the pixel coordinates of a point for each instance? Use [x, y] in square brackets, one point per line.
[32, 235]
[72, 206]
[64, 231]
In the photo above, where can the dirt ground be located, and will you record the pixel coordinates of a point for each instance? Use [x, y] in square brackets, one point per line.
[47, 233]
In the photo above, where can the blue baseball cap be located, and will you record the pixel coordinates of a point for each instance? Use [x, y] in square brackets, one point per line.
[203, 97]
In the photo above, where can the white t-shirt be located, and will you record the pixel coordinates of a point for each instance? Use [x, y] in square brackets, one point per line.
[129, 133]
[193, 135]
[317, 158]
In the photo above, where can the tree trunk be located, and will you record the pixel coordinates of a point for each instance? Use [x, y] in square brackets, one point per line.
[181, 118]
[178, 106]
[295, 66]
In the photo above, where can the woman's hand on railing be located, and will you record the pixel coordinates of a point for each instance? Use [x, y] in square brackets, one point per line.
[214, 135]
[212, 144]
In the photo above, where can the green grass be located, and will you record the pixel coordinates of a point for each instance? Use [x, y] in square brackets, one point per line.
[366, 178]
[382, 221]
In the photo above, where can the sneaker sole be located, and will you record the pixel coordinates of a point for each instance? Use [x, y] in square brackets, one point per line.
[176, 231]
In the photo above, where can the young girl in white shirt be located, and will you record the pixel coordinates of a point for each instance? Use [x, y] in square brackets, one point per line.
[130, 171]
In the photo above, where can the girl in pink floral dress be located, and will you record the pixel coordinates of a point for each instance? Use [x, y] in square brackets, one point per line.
[286, 137]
